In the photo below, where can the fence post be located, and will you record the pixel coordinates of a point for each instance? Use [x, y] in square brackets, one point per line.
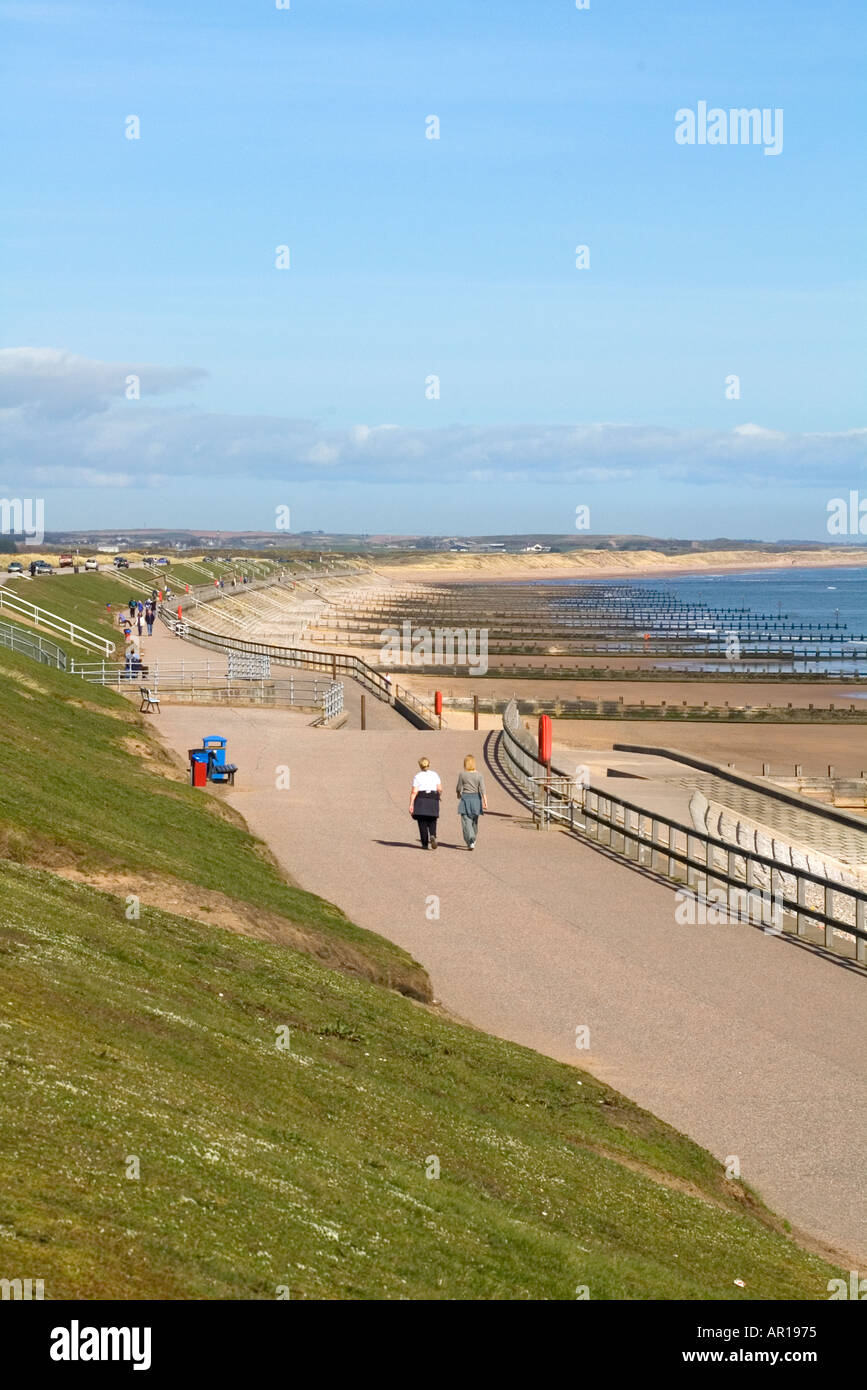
[829, 914]
[800, 921]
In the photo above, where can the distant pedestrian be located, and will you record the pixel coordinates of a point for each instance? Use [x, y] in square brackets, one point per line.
[139, 622]
[140, 606]
[132, 604]
[149, 620]
[424, 803]
[472, 800]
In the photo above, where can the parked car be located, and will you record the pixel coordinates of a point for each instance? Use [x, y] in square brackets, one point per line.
[40, 567]
[91, 564]
[121, 562]
[148, 560]
[15, 567]
[163, 561]
[66, 562]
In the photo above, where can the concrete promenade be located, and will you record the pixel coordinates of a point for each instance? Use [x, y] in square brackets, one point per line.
[749, 1044]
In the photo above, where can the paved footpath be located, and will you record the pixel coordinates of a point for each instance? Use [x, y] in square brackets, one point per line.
[749, 1044]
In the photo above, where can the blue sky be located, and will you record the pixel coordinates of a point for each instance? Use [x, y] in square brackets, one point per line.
[410, 257]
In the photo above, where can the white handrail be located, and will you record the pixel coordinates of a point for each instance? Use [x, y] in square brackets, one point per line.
[42, 618]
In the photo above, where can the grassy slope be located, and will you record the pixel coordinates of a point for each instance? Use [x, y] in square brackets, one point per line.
[306, 1167]
[80, 598]
[176, 575]
[263, 1167]
[179, 573]
[75, 794]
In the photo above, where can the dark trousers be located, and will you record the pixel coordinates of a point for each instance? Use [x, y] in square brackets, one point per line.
[427, 829]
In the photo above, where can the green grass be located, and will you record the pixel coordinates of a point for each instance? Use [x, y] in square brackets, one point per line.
[77, 794]
[177, 575]
[305, 1167]
[81, 598]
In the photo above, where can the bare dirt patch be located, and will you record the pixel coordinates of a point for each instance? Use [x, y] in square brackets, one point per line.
[219, 910]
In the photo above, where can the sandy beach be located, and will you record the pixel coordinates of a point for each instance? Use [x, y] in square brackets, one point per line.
[748, 747]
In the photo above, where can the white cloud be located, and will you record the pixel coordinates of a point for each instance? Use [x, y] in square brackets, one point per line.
[758, 432]
[65, 420]
[49, 382]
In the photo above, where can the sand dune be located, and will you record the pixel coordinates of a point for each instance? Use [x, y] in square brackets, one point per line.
[593, 563]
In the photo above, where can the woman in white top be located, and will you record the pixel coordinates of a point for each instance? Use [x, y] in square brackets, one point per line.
[424, 803]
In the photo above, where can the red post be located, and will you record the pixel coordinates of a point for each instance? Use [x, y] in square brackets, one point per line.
[179, 612]
[438, 706]
[545, 738]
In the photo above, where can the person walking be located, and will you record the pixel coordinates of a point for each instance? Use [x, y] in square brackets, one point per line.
[139, 621]
[472, 800]
[424, 803]
[149, 620]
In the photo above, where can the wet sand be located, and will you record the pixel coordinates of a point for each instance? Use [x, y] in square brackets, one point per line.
[673, 692]
[747, 746]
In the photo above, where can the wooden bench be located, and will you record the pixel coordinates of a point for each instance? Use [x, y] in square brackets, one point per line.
[149, 701]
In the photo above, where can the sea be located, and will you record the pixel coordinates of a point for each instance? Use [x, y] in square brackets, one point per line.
[800, 595]
[805, 595]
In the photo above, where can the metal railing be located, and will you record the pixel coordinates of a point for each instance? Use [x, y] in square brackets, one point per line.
[217, 680]
[714, 871]
[334, 662]
[41, 617]
[306, 693]
[209, 593]
[19, 639]
[178, 673]
[132, 580]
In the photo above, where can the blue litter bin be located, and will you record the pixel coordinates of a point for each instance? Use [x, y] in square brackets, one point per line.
[214, 749]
